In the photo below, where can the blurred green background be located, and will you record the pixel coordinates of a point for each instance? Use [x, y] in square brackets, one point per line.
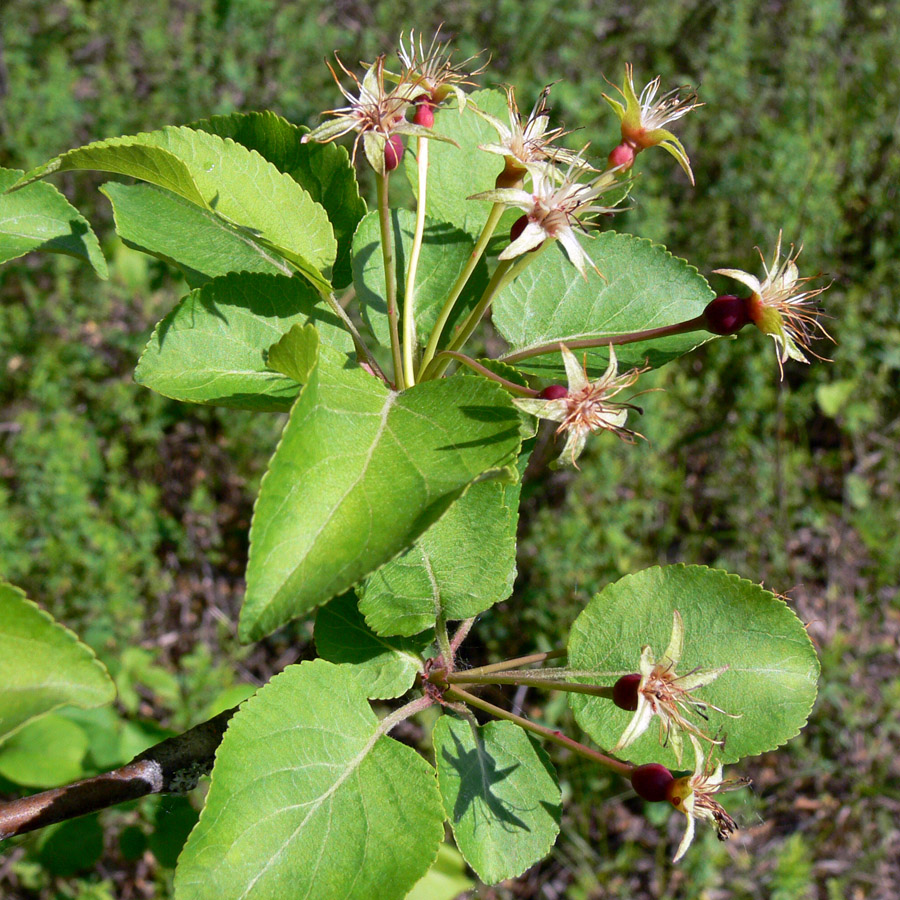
[126, 514]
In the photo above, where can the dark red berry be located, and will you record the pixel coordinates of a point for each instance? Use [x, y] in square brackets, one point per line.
[393, 152]
[651, 781]
[625, 692]
[623, 155]
[424, 115]
[726, 314]
[554, 392]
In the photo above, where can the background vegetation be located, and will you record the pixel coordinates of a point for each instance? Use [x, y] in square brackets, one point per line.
[126, 514]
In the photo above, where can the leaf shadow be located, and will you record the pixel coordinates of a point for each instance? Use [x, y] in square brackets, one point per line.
[479, 774]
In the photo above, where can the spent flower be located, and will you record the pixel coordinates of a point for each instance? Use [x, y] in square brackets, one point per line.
[375, 113]
[526, 142]
[587, 405]
[643, 119]
[693, 795]
[553, 207]
[431, 71]
[663, 693]
[781, 307]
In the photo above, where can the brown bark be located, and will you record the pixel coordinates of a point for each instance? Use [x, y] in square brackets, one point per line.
[171, 767]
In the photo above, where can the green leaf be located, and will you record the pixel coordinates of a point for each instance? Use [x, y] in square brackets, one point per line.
[500, 793]
[642, 286]
[196, 240]
[359, 474]
[384, 667]
[295, 353]
[455, 173]
[174, 819]
[445, 880]
[772, 670]
[212, 348]
[43, 666]
[324, 170]
[44, 753]
[71, 847]
[444, 254]
[39, 217]
[220, 175]
[307, 800]
[461, 566]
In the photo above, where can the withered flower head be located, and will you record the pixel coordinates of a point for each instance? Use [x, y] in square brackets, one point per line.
[588, 405]
[665, 694]
[781, 308]
[693, 795]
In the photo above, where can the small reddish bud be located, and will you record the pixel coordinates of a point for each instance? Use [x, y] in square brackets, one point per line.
[554, 392]
[625, 692]
[393, 152]
[727, 314]
[424, 115]
[623, 156]
[651, 782]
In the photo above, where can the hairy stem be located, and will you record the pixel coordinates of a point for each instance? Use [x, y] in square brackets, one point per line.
[463, 678]
[557, 737]
[392, 720]
[517, 663]
[461, 634]
[698, 324]
[409, 297]
[170, 767]
[517, 389]
[443, 640]
[390, 276]
[447, 309]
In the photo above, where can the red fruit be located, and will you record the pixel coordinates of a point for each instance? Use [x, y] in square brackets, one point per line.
[623, 155]
[393, 152]
[625, 692]
[727, 314]
[424, 115]
[651, 781]
[554, 392]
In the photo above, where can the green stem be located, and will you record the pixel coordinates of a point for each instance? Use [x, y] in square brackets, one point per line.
[698, 324]
[463, 678]
[622, 768]
[487, 232]
[362, 351]
[390, 276]
[517, 389]
[409, 298]
[443, 640]
[517, 663]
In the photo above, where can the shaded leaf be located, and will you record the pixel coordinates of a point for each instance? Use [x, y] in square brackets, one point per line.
[295, 353]
[500, 793]
[384, 667]
[39, 217]
[307, 800]
[213, 347]
[44, 753]
[43, 666]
